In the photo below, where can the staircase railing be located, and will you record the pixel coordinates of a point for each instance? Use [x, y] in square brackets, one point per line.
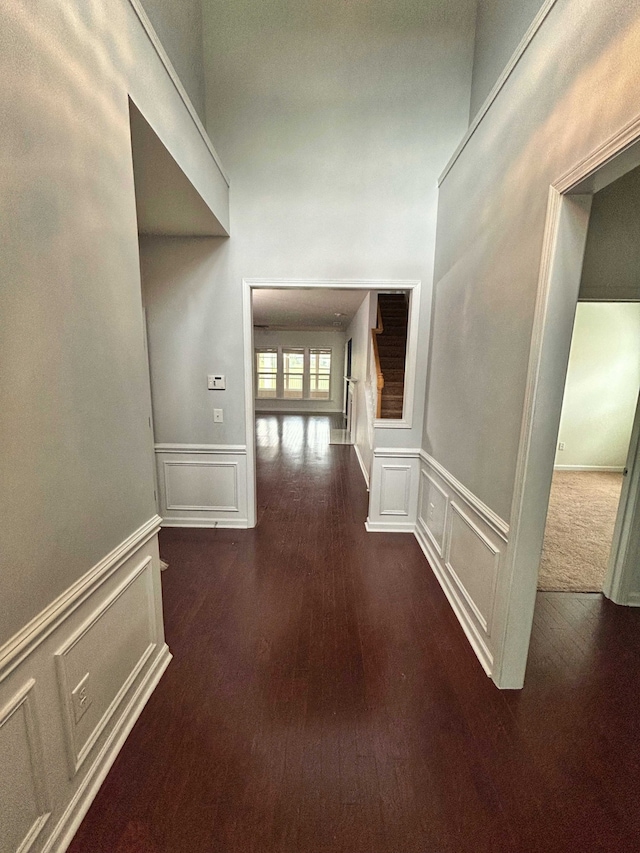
[376, 356]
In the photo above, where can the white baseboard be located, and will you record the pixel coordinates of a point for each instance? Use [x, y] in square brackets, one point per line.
[363, 467]
[606, 468]
[389, 526]
[221, 524]
[68, 824]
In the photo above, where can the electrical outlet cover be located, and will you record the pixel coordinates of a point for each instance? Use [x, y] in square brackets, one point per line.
[81, 699]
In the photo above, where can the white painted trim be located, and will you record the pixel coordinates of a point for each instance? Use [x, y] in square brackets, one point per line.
[397, 452]
[90, 785]
[600, 160]
[249, 404]
[510, 67]
[34, 632]
[318, 412]
[221, 449]
[333, 283]
[422, 523]
[23, 700]
[485, 622]
[558, 288]
[76, 753]
[249, 284]
[616, 469]
[208, 524]
[622, 575]
[190, 463]
[390, 526]
[407, 488]
[449, 588]
[544, 391]
[497, 524]
[391, 423]
[175, 79]
[363, 467]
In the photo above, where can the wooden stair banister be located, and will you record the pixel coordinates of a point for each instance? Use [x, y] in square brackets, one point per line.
[380, 378]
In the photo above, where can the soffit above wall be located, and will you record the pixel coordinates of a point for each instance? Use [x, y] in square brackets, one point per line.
[167, 203]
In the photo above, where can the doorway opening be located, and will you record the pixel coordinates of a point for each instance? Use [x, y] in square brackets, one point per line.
[594, 442]
[310, 351]
[590, 254]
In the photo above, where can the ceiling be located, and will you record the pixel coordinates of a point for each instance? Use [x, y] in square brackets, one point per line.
[298, 308]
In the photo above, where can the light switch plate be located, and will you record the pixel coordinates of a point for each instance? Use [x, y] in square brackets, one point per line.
[218, 416]
[81, 699]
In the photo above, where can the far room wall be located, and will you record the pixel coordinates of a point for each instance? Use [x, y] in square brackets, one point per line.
[602, 386]
[335, 341]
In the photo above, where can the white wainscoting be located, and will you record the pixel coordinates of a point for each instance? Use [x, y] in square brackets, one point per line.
[23, 793]
[464, 541]
[393, 490]
[106, 632]
[202, 485]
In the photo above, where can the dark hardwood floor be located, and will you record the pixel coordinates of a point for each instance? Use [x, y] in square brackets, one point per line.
[322, 696]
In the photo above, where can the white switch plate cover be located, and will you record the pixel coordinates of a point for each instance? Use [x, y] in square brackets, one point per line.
[81, 699]
[217, 416]
[216, 382]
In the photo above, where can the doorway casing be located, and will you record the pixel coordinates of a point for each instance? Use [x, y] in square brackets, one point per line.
[567, 221]
[250, 284]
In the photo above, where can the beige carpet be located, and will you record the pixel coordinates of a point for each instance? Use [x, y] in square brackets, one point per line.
[577, 541]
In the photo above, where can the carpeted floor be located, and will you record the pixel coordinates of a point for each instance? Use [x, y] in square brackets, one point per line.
[580, 522]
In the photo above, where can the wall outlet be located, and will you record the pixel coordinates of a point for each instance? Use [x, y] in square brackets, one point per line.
[561, 445]
[218, 417]
[81, 699]
[431, 511]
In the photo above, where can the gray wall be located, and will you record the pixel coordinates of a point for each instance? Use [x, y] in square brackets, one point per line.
[192, 332]
[333, 120]
[577, 84]
[178, 23]
[76, 463]
[612, 255]
[500, 26]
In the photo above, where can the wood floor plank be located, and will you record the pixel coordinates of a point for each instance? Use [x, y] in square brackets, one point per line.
[324, 699]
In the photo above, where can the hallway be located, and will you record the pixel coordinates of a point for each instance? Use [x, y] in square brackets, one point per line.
[323, 697]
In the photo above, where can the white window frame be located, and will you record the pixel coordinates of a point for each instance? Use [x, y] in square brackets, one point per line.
[306, 375]
[257, 372]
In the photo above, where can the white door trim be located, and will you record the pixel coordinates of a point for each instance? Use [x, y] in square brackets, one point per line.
[618, 583]
[250, 284]
[558, 287]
